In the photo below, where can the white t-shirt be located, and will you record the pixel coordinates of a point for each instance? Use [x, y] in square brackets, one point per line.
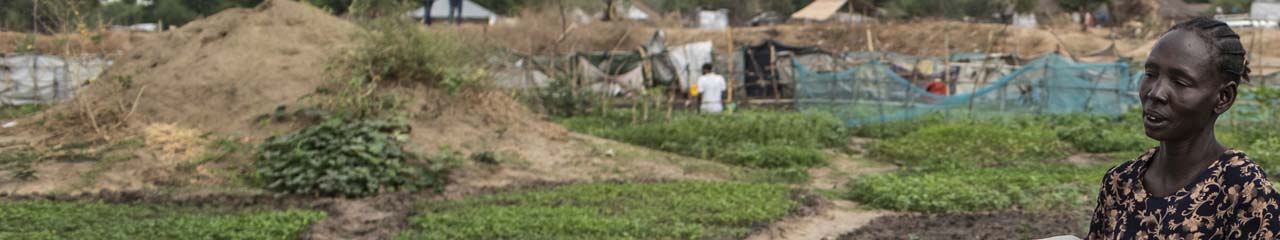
[711, 86]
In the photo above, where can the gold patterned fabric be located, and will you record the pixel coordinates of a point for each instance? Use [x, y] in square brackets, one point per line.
[1232, 199]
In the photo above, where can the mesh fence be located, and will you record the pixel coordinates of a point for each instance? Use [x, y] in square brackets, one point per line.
[871, 92]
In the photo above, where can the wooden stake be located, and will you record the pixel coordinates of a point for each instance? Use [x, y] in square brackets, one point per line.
[729, 35]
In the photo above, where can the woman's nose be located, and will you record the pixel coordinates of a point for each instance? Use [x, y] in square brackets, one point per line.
[1158, 92]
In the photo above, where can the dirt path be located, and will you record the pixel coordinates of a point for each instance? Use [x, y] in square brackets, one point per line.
[836, 216]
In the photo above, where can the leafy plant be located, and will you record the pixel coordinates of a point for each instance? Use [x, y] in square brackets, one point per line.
[1043, 187]
[343, 158]
[397, 51]
[759, 139]
[558, 99]
[673, 210]
[1103, 135]
[954, 145]
[51, 220]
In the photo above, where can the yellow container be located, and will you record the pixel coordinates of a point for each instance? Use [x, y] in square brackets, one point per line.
[693, 90]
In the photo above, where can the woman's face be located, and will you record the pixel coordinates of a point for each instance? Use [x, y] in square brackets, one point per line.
[1182, 92]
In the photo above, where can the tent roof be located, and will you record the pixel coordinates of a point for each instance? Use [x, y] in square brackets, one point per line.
[819, 10]
[469, 10]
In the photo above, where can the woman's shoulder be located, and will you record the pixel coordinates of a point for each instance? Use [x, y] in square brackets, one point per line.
[1128, 171]
[1238, 168]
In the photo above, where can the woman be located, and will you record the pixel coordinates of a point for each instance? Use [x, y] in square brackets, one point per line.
[1191, 186]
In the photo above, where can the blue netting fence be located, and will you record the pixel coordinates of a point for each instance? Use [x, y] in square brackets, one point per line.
[871, 92]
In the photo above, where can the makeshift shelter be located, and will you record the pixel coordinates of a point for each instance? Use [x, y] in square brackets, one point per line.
[29, 78]
[760, 78]
[687, 61]
[820, 10]
[471, 12]
[872, 93]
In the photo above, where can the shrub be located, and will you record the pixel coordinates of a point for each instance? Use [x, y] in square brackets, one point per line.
[673, 210]
[1042, 187]
[50, 220]
[343, 158]
[955, 145]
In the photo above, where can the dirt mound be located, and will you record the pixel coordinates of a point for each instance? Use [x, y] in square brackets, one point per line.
[220, 73]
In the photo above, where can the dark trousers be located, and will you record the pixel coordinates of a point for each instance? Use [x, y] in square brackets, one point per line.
[426, 11]
[455, 6]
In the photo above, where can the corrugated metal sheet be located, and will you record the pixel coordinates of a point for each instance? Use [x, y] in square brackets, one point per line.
[819, 10]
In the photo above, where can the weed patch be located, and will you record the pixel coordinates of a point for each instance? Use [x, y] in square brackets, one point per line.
[674, 210]
[51, 220]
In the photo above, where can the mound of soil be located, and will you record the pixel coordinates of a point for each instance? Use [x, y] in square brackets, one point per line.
[220, 73]
[1001, 225]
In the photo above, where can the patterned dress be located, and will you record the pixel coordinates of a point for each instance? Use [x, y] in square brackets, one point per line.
[1232, 199]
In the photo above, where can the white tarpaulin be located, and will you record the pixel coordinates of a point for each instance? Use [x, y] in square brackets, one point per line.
[688, 61]
[1265, 10]
[29, 78]
[630, 82]
[1025, 20]
[715, 20]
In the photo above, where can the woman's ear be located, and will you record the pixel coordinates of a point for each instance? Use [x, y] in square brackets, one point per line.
[1226, 97]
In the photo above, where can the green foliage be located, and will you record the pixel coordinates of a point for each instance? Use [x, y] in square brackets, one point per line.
[674, 210]
[1103, 135]
[50, 220]
[954, 145]
[343, 158]
[980, 189]
[760, 139]
[896, 128]
[772, 156]
[396, 51]
[558, 99]
[11, 112]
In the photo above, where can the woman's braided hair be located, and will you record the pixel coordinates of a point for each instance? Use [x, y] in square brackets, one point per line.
[1228, 53]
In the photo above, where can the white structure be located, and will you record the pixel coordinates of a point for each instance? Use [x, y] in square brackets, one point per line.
[716, 20]
[470, 12]
[26, 78]
[1025, 20]
[1265, 9]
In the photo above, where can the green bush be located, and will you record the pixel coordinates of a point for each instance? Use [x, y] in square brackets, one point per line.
[955, 145]
[343, 158]
[760, 139]
[673, 210]
[50, 220]
[982, 189]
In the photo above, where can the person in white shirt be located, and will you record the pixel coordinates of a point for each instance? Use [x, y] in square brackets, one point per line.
[710, 87]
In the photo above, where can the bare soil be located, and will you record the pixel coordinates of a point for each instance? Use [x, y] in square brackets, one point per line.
[998, 225]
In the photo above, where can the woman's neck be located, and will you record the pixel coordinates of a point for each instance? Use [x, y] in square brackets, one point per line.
[1182, 159]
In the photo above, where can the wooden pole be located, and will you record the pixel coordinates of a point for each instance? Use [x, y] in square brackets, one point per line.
[773, 71]
[730, 66]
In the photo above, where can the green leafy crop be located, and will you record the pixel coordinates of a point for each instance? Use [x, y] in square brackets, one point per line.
[343, 158]
[955, 145]
[674, 210]
[50, 220]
